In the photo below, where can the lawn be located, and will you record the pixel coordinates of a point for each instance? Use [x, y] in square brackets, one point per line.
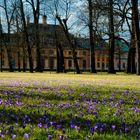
[50, 106]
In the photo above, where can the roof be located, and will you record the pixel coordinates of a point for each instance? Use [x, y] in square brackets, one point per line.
[50, 28]
[119, 44]
[82, 43]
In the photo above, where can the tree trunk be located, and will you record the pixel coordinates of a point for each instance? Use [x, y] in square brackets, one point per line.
[131, 66]
[129, 62]
[39, 63]
[36, 14]
[60, 57]
[9, 59]
[133, 63]
[111, 39]
[19, 67]
[75, 61]
[119, 60]
[1, 53]
[26, 37]
[57, 59]
[37, 42]
[62, 66]
[1, 48]
[9, 52]
[135, 18]
[70, 43]
[92, 48]
[8, 47]
[18, 45]
[24, 63]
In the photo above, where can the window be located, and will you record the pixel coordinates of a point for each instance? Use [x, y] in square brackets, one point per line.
[98, 58]
[2, 62]
[98, 64]
[123, 65]
[51, 52]
[69, 63]
[70, 53]
[118, 65]
[107, 65]
[107, 59]
[103, 66]
[84, 64]
[42, 51]
[51, 63]
[103, 58]
[84, 53]
[51, 41]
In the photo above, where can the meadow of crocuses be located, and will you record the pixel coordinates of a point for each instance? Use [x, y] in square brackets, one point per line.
[49, 106]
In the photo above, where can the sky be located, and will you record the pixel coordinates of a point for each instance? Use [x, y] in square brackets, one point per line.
[76, 26]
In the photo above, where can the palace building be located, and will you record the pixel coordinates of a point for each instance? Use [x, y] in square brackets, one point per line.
[48, 34]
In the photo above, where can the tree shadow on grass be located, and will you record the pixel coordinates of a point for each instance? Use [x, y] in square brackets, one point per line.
[52, 95]
[12, 114]
[39, 119]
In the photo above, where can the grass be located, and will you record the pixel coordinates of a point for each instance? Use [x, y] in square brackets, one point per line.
[44, 106]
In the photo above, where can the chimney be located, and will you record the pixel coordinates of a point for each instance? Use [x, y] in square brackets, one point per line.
[44, 19]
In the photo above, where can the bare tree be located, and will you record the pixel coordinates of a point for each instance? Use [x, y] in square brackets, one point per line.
[91, 18]
[136, 27]
[26, 36]
[18, 43]
[60, 54]
[1, 48]
[9, 8]
[131, 66]
[63, 18]
[123, 11]
[91, 37]
[111, 38]
[35, 6]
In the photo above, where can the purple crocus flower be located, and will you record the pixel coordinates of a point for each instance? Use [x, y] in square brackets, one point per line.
[60, 137]
[101, 130]
[77, 128]
[0, 102]
[45, 126]
[49, 137]
[91, 130]
[126, 129]
[40, 125]
[58, 126]
[136, 101]
[24, 125]
[31, 127]
[11, 128]
[71, 124]
[95, 127]
[7, 131]
[13, 136]
[26, 136]
[113, 127]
